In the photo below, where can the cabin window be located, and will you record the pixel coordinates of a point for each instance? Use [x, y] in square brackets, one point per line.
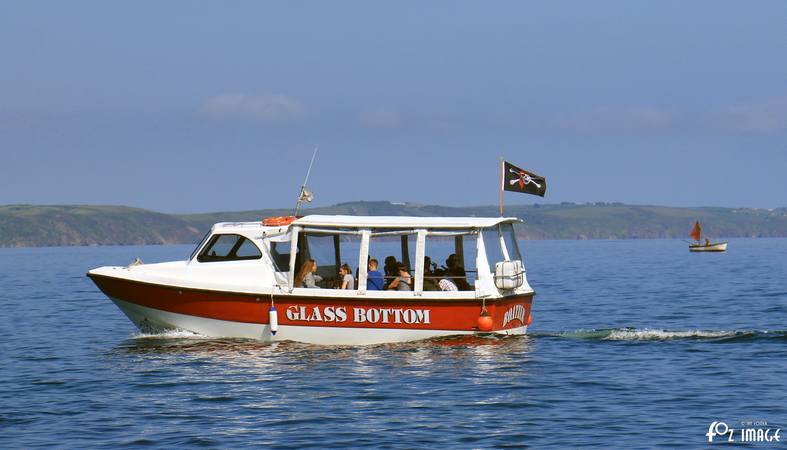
[247, 250]
[280, 251]
[320, 248]
[329, 251]
[229, 247]
[389, 249]
[450, 258]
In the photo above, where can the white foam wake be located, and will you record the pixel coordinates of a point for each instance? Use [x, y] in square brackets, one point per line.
[662, 335]
[170, 334]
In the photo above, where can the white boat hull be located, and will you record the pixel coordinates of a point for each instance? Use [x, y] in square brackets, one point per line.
[718, 247]
[155, 320]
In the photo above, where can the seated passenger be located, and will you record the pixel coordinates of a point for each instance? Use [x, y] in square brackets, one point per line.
[445, 283]
[307, 276]
[347, 279]
[403, 280]
[390, 270]
[430, 282]
[374, 278]
[457, 273]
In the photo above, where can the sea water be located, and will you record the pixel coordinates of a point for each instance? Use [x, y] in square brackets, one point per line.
[634, 344]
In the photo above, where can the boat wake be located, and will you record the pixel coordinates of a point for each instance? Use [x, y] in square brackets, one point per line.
[606, 334]
[648, 334]
[169, 334]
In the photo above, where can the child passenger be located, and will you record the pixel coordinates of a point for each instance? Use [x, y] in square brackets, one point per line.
[346, 275]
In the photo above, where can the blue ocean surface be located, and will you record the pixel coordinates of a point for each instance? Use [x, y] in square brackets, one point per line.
[635, 344]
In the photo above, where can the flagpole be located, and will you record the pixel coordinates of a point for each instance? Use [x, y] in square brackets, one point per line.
[501, 186]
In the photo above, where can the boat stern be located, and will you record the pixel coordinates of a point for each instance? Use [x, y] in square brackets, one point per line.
[510, 315]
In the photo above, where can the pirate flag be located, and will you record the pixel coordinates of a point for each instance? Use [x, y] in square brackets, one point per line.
[520, 180]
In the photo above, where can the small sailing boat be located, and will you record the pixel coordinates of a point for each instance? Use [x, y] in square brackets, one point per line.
[707, 246]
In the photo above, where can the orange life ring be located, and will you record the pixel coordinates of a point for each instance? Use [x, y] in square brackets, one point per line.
[278, 221]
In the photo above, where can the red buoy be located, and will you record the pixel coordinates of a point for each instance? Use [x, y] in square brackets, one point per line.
[485, 321]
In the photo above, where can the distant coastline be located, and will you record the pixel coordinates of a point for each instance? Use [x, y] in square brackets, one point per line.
[84, 225]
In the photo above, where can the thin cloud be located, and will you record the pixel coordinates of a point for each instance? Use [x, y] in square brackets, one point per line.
[261, 107]
[763, 117]
[381, 118]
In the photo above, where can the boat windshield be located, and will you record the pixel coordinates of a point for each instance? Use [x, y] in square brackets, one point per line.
[509, 237]
[500, 243]
[199, 246]
[229, 247]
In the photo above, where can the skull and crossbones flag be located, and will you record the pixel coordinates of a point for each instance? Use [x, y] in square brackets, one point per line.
[520, 180]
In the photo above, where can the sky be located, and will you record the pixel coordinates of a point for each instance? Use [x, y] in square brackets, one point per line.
[196, 106]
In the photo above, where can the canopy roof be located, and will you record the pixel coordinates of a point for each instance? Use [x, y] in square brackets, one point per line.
[400, 221]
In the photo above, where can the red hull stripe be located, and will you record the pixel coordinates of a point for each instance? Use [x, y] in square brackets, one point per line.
[459, 314]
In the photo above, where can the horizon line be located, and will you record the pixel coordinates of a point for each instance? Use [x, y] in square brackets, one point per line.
[399, 203]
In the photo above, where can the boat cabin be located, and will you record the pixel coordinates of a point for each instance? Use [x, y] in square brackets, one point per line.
[469, 257]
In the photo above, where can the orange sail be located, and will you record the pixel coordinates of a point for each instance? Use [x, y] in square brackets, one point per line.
[696, 232]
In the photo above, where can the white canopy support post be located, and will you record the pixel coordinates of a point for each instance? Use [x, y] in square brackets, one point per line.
[503, 243]
[363, 264]
[293, 254]
[484, 285]
[420, 250]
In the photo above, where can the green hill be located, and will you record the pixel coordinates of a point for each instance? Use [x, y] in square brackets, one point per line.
[42, 226]
[567, 220]
[30, 226]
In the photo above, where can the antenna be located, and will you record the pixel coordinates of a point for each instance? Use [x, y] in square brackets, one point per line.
[304, 195]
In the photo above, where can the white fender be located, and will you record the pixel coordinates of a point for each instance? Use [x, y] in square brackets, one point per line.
[273, 319]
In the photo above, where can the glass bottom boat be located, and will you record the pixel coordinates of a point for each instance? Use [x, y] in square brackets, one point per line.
[282, 279]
